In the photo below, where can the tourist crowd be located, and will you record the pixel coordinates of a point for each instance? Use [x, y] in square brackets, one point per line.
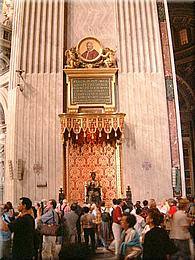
[50, 230]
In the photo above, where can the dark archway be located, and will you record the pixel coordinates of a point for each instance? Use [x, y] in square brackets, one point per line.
[182, 21]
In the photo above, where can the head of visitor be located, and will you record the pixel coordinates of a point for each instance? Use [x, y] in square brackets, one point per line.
[152, 204]
[9, 204]
[24, 204]
[154, 218]
[119, 202]
[183, 204]
[138, 211]
[73, 207]
[85, 210]
[138, 204]
[51, 204]
[64, 202]
[6, 208]
[128, 221]
[37, 205]
[145, 203]
[114, 201]
[172, 202]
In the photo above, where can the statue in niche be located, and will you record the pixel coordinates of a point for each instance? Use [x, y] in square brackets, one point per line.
[93, 190]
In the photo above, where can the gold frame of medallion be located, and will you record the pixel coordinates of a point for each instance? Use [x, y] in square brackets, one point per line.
[97, 45]
[87, 74]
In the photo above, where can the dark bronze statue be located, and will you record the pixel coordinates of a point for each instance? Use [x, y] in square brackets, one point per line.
[93, 190]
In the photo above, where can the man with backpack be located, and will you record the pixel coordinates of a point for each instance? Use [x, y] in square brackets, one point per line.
[105, 225]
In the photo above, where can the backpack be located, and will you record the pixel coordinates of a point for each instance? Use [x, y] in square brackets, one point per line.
[105, 216]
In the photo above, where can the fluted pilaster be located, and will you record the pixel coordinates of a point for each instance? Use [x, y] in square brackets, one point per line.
[142, 96]
[38, 49]
[41, 36]
[138, 38]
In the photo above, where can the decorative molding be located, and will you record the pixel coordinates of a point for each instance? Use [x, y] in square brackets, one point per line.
[118, 171]
[146, 165]
[187, 95]
[93, 128]
[37, 168]
[20, 170]
[169, 88]
[161, 11]
[184, 54]
[10, 166]
[42, 185]
[181, 21]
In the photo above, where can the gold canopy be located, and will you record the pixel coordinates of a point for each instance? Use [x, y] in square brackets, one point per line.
[98, 127]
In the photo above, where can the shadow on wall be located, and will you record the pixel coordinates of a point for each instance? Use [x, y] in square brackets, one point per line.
[130, 136]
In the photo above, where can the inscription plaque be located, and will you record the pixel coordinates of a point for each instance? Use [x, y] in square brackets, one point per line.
[91, 91]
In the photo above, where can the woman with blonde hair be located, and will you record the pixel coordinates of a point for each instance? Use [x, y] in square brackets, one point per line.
[97, 222]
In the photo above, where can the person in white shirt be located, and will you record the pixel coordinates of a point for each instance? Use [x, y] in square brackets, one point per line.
[180, 231]
[140, 224]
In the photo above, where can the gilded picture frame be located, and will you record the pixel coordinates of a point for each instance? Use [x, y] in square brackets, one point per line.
[89, 49]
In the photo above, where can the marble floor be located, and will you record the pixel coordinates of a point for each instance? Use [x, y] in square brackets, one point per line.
[102, 253]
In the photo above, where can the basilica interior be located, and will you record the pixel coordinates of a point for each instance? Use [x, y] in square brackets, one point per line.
[182, 26]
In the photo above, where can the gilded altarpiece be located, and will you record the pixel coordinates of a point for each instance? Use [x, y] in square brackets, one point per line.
[100, 159]
[92, 130]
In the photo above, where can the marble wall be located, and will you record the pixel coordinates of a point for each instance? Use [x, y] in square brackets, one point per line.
[42, 31]
[131, 27]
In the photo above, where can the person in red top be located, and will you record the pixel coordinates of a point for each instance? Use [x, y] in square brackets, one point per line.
[116, 227]
[173, 207]
[169, 216]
